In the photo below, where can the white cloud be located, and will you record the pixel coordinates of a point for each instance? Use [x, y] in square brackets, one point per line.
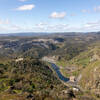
[7, 21]
[47, 27]
[92, 25]
[58, 27]
[23, 0]
[58, 15]
[85, 11]
[41, 25]
[97, 9]
[15, 27]
[87, 27]
[10, 28]
[73, 14]
[1, 21]
[26, 7]
[4, 21]
[7, 26]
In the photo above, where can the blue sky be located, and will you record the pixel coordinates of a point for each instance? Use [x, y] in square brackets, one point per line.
[49, 16]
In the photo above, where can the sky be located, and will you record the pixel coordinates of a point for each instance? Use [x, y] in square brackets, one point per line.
[49, 16]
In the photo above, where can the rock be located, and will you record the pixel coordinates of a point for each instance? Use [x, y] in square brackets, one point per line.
[10, 90]
[72, 79]
[76, 89]
[71, 94]
[51, 87]
[30, 96]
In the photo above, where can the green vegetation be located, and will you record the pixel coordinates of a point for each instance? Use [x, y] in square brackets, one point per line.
[33, 79]
[28, 77]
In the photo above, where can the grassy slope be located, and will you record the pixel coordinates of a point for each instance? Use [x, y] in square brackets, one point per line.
[82, 60]
[89, 72]
[91, 78]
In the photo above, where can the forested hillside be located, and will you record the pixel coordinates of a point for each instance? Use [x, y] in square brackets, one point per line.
[24, 76]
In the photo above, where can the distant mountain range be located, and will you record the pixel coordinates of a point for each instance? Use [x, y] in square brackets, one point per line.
[29, 34]
[25, 34]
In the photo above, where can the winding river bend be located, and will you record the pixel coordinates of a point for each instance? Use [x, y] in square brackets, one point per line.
[59, 74]
[63, 78]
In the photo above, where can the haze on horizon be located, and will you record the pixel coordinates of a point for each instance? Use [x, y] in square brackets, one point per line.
[49, 16]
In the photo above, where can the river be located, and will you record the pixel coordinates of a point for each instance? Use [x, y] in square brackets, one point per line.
[59, 74]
